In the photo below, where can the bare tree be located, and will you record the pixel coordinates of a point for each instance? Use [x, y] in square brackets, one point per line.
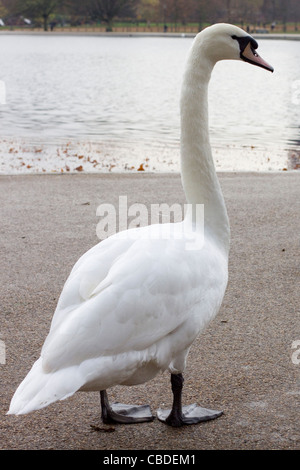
[295, 13]
[3, 10]
[107, 10]
[175, 11]
[148, 10]
[35, 9]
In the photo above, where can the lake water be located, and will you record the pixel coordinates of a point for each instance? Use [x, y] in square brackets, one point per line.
[108, 103]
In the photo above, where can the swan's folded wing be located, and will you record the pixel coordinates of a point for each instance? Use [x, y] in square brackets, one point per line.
[140, 300]
[87, 274]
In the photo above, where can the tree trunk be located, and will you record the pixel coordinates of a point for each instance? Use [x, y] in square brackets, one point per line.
[45, 17]
[109, 25]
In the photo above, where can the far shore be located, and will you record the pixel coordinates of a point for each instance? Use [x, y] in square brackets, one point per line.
[76, 32]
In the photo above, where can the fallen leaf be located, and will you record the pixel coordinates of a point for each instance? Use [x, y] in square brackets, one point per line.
[29, 166]
[141, 168]
[98, 429]
[79, 168]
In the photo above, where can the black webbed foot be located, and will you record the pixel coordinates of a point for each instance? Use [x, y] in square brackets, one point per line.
[182, 415]
[123, 414]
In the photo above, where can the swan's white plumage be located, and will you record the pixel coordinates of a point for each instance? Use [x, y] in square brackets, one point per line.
[111, 329]
[133, 304]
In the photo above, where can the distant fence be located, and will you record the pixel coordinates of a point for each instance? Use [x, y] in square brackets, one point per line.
[144, 28]
[116, 29]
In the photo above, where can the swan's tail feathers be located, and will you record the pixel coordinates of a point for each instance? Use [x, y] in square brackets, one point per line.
[40, 389]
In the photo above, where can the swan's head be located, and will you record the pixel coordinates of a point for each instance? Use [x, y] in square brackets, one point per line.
[225, 41]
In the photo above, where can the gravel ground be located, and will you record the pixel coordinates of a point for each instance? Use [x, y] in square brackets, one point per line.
[241, 364]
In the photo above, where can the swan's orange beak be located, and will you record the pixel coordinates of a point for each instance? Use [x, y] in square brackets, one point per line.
[250, 55]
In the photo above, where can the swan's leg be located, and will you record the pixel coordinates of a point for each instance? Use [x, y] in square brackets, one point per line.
[123, 414]
[178, 415]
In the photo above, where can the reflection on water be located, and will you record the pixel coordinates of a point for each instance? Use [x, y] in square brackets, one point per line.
[124, 93]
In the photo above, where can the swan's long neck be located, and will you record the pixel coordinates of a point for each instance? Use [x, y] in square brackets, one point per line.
[199, 177]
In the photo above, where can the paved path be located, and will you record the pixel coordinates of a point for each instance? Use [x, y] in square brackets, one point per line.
[243, 362]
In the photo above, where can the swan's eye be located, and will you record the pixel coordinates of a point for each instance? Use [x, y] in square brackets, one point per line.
[244, 41]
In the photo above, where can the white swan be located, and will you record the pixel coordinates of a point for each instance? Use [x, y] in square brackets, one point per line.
[133, 305]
